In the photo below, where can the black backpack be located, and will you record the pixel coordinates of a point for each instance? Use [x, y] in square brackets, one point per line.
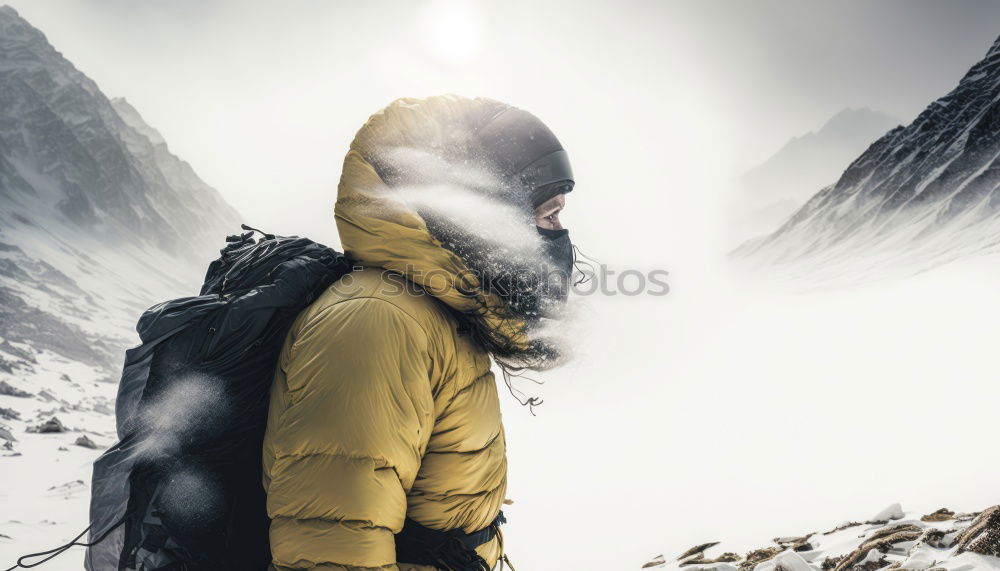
[182, 488]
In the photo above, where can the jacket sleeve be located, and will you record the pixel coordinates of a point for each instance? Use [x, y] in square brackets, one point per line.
[346, 444]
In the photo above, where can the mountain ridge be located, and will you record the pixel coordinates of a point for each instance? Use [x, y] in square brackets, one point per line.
[65, 146]
[770, 192]
[923, 194]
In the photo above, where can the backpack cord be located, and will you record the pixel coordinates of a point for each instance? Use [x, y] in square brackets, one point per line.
[503, 552]
[57, 551]
[266, 235]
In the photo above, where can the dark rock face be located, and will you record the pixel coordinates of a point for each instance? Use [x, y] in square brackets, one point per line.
[932, 186]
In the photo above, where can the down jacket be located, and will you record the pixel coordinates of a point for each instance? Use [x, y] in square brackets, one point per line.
[380, 408]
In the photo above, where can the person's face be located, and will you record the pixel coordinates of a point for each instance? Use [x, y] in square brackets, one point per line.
[547, 213]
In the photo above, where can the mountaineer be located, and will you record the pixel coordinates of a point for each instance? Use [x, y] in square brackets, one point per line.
[384, 446]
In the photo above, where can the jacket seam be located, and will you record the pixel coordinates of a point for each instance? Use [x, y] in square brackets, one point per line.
[438, 497]
[468, 387]
[379, 465]
[492, 441]
[336, 520]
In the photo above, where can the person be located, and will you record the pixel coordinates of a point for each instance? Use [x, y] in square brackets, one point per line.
[384, 446]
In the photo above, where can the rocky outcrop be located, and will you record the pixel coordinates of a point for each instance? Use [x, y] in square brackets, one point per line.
[983, 535]
[907, 541]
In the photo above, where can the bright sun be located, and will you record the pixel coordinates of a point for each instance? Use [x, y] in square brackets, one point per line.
[452, 30]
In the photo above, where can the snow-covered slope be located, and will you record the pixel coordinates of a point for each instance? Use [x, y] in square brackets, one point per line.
[920, 196]
[773, 190]
[939, 541]
[98, 221]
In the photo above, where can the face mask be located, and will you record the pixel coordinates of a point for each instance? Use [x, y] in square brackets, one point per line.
[559, 256]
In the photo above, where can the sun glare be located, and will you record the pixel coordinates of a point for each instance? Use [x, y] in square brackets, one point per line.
[452, 30]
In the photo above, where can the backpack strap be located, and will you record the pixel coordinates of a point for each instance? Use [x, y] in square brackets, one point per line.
[453, 550]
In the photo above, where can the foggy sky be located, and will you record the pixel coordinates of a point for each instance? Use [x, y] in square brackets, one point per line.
[655, 101]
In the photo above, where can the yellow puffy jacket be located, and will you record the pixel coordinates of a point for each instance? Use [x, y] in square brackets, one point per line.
[380, 408]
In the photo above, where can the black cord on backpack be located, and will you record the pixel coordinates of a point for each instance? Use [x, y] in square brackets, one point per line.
[267, 236]
[55, 552]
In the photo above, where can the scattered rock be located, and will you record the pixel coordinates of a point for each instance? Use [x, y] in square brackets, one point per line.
[786, 561]
[67, 486]
[881, 540]
[6, 435]
[697, 550]
[9, 414]
[831, 563]
[843, 526]
[6, 389]
[63, 449]
[795, 543]
[11, 349]
[943, 514]
[969, 516]
[49, 426]
[895, 511]
[86, 442]
[759, 556]
[655, 562]
[983, 534]
[7, 445]
[65, 377]
[727, 557]
[935, 538]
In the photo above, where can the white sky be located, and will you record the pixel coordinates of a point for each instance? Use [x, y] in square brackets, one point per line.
[709, 414]
[652, 99]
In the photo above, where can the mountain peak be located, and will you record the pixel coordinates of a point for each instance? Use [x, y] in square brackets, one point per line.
[994, 49]
[14, 27]
[8, 12]
[926, 193]
[852, 121]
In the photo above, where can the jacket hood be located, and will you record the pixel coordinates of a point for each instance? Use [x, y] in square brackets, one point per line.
[405, 150]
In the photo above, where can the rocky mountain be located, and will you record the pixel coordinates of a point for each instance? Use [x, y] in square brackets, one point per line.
[64, 146]
[892, 539]
[772, 191]
[98, 221]
[921, 195]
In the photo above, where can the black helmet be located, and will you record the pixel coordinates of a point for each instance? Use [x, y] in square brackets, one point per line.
[525, 151]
